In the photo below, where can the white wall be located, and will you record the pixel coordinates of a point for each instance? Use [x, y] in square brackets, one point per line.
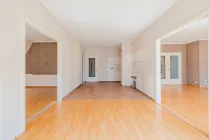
[107, 58]
[41, 80]
[183, 11]
[126, 64]
[1, 111]
[12, 58]
[12, 67]
[77, 64]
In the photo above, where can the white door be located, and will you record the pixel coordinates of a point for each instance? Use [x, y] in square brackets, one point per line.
[92, 69]
[171, 68]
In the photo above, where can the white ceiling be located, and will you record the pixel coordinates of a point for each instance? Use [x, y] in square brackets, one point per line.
[107, 23]
[195, 31]
[35, 36]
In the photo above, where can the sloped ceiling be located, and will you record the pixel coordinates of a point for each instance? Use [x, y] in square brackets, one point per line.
[35, 36]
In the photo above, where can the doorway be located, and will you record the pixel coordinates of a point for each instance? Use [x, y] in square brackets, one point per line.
[92, 69]
[41, 69]
[171, 67]
[182, 79]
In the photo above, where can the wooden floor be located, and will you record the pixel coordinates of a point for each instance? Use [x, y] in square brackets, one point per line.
[38, 98]
[189, 103]
[105, 91]
[108, 120]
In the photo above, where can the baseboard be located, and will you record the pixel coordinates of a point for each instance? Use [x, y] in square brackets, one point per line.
[109, 81]
[146, 95]
[71, 92]
[204, 87]
[78, 86]
[125, 86]
[41, 86]
[195, 86]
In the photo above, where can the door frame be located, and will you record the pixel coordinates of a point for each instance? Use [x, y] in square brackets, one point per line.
[169, 81]
[158, 52]
[92, 79]
[59, 68]
[205, 14]
[82, 68]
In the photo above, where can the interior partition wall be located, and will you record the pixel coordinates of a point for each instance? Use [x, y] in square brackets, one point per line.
[158, 58]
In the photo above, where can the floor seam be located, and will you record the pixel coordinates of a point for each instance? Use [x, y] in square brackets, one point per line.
[182, 120]
[40, 112]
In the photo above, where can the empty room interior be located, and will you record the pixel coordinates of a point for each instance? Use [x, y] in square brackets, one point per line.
[104, 70]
